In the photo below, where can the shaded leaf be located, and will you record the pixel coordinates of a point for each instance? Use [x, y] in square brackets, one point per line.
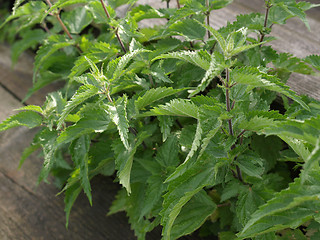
[288, 209]
[79, 152]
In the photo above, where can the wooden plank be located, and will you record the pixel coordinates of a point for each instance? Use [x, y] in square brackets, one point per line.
[18, 80]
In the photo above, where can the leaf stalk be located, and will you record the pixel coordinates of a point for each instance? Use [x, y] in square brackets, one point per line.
[178, 4]
[268, 6]
[208, 18]
[116, 30]
[227, 85]
[57, 15]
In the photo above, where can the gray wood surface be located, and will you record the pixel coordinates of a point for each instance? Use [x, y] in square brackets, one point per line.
[28, 211]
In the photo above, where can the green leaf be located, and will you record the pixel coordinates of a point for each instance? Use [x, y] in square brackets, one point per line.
[221, 41]
[248, 202]
[33, 108]
[211, 133]
[289, 63]
[118, 3]
[243, 48]
[71, 195]
[294, 10]
[146, 12]
[62, 4]
[94, 119]
[311, 162]
[314, 60]
[288, 209]
[216, 67]
[193, 215]
[196, 142]
[298, 146]
[218, 4]
[79, 152]
[124, 160]
[160, 75]
[116, 68]
[96, 52]
[27, 152]
[30, 13]
[165, 123]
[83, 93]
[135, 205]
[154, 95]
[47, 140]
[268, 148]
[200, 58]
[154, 191]
[232, 189]
[307, 130]
[254, 78]
[77, 19]
[307, 5]
[119, 204]
[181, 190]
[118, 115]
[250, 164]
[176, 107]
[28, 118]
[29, 40]
[188, 28]
[52, 45]
[167, 155]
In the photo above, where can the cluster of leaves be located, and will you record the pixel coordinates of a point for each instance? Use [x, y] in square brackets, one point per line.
[180, 112]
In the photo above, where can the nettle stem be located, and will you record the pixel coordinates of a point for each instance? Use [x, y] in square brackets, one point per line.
[168, 3]
[208, 18]
[57, 15]
[268, 6]
[116, 30]
[228, 100]
[178, 4]
[228, 106]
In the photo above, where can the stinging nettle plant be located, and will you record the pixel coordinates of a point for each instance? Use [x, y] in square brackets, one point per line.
[180, 112]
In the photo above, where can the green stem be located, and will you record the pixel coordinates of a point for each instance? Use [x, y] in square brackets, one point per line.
[151, 81]
[116, 30]
[108, 94]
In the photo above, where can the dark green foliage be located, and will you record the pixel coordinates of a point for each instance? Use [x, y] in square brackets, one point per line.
[178, 113]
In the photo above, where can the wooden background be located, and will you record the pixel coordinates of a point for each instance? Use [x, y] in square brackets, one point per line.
[31, 212]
